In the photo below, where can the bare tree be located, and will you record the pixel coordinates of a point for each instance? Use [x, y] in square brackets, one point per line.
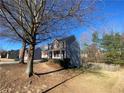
[13, 37]
[43, 19]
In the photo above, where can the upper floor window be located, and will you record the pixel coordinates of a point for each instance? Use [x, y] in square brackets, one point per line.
[56, 44]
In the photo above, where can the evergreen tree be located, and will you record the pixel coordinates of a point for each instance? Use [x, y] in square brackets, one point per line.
[112, 47]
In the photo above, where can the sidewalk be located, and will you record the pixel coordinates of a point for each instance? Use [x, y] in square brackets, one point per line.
[17, 62]
[2, 63]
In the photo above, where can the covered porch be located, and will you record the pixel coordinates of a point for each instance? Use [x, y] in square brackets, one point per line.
[57, 54]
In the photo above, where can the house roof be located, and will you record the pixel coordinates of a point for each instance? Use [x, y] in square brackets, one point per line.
[68, 39]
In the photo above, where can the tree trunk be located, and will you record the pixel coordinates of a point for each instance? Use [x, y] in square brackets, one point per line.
[29, 70]
[22, 52]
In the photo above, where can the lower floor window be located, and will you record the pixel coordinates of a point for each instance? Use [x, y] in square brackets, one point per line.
[56, 53]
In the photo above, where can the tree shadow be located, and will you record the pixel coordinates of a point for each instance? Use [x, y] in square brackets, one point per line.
[49, 72]
[60, 83]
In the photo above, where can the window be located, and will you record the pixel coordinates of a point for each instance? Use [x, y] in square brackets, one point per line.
[56, 53]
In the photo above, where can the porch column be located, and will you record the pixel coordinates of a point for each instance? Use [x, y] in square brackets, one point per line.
[61, 56]
[65, 54]
[7, 56]
[48, 55]
[52, 54]
[0, 55]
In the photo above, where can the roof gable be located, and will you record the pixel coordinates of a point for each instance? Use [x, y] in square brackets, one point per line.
[69, 39]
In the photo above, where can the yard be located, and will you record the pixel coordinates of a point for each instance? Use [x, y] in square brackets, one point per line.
[51, 78]
[94, 82]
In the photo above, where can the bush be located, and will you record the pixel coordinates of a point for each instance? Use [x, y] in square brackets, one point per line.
[109, 61]
[64, 63]
[16, 59]
[120, 62]
[44, 59]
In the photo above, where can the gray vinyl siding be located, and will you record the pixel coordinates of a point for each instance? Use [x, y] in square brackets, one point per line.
[73, 53]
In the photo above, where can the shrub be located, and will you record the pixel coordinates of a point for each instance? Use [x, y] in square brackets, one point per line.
[44, 59]
[64, 63]
[120, 62]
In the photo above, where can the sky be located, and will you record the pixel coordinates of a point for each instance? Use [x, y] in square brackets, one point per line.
[111, 13]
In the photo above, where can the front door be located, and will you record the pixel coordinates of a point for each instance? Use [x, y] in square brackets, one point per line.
[63, 54]
[50, 54]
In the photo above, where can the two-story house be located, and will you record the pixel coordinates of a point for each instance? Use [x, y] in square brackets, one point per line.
[65, 48]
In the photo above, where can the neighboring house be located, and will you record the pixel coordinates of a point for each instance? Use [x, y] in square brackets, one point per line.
[37, 54]
[65, 48]
[12, 54]
[92, 54]
[3, 54]
[44, 52]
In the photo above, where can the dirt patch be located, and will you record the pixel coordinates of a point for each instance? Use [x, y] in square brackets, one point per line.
[13, 78]
[46, 67]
